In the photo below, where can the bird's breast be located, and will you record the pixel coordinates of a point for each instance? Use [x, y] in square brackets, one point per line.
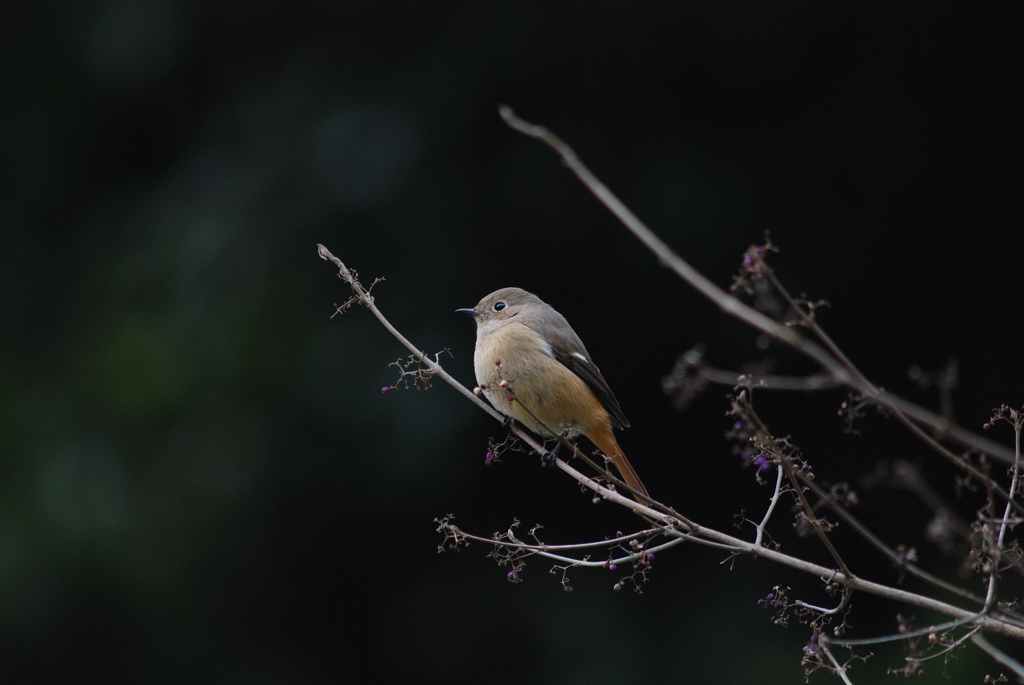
[521, 378]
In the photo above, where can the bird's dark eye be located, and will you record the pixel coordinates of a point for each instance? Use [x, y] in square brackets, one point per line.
[498, 306]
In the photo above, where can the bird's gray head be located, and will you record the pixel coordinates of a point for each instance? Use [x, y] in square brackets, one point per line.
[502, 305]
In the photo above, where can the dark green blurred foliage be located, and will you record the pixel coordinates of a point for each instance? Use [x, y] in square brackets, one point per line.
[200, 480]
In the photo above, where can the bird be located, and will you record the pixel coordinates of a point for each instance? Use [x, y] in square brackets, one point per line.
[532, 367]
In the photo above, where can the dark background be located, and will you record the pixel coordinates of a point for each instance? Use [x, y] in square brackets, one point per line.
[200, 480]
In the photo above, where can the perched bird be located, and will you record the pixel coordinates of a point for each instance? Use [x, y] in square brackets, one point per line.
[533, 368]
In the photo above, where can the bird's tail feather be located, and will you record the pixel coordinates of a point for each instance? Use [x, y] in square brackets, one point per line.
[629, 474]
[606, 442]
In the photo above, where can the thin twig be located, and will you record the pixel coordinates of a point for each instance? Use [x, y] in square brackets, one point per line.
[825, 611]
[990, 598]
[767, 381]
[786, 464]
[771, 506]
[840, 670]
[366, 299]
[999, 656]
[878, 544]
[919, 632]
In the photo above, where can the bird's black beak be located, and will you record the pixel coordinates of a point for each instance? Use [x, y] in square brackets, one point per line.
[471, 311]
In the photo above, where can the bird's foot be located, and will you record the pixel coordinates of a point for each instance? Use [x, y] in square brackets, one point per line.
[549, 458]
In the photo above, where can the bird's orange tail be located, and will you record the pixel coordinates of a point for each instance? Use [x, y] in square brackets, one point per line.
[606, 442]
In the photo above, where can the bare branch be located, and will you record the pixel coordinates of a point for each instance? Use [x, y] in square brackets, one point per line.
[999, 656]
[835, 367]
[771, 505]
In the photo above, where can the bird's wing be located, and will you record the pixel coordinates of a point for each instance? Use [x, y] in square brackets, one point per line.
[569, 350]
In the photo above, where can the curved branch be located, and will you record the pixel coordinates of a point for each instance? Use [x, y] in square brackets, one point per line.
[737, 308]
